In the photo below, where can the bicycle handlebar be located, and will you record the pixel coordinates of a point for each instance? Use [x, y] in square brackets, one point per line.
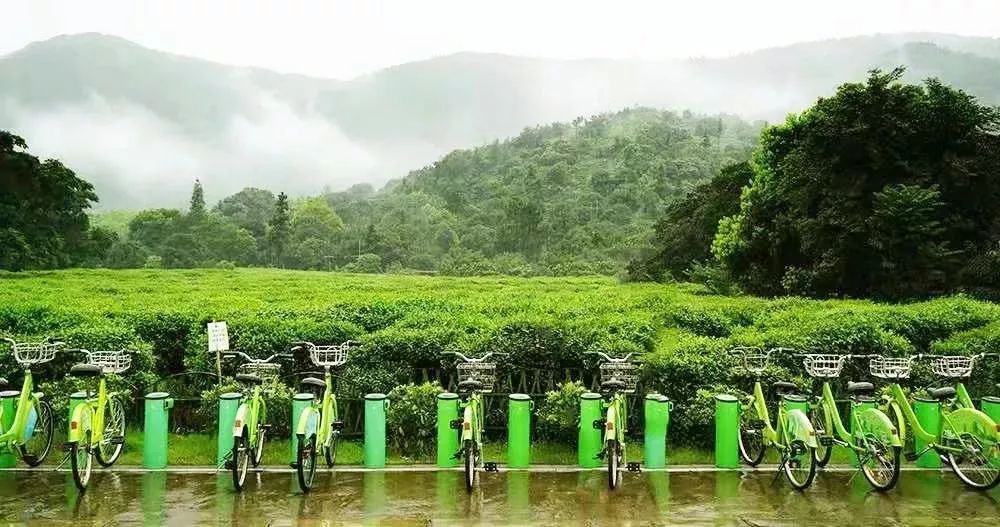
[468, 359]
[609, 358]
[251, 360]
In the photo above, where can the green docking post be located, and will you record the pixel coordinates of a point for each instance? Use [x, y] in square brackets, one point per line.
[300, 402]
[447, 438]
[154, 444]
[8, 400]
[656, 412]
[928, 412]
[589, 441]
[519, 430]
[375, 407]
[229, 403]
[991, 407]
[727, 431]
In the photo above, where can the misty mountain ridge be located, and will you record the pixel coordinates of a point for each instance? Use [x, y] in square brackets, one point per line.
[143, 124]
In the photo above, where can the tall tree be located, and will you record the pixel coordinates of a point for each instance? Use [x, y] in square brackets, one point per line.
[279, 230]
[197, 208]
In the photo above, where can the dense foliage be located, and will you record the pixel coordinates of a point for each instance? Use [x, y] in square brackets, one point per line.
[883, 189]
[404, 323]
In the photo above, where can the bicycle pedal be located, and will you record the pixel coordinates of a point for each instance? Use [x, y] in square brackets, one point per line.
[633, 466]
[30, 459]
[458, 455]
[826, 441]
[228, 464]
[337, 425]
[456, 424]
[911, 456]
[117, 440]
[68, 445]
[266, 428]
[756, 424]
[491, 466]
[599, 424]
[294, 464]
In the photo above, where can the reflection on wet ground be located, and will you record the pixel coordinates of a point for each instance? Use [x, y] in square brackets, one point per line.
[440, 498]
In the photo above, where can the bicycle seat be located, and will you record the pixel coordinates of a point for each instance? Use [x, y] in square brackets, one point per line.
[943, 393]
[313, 381]
[3, 382]
[785, 387]
[86, 370]
[249, 379]
[613, 385]
[469, 385]
[860, 387]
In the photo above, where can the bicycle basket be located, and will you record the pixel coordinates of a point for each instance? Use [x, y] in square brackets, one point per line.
[110, 361]
[333, 355]
[823, 366]
[755, 361]
[26, 353]
[483, 372]
[952, 366]
[265, 370]
[890, 367]
[621, 371]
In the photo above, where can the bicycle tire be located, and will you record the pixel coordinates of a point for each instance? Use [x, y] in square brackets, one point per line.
[81, 467]
[330, 452]
[987, 483]
[614, 468]
[795, 464]
[822, 453]
[895, 454]
[258, 449]
[306, 462]
[43, 431]
[241, 459]
[470, 465]
[116, 413]
[751, 439]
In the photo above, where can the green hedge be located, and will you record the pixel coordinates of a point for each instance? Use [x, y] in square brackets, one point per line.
[406, 322]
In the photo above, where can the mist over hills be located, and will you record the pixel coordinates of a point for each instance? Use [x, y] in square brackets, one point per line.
[143, 124]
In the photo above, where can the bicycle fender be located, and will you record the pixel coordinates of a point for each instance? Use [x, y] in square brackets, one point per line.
[799, 427]
[609, 425]
[308, 422]
[467, 418]
[242, 417]
[876, 423]
[79, 423]
[896, 411]
[974, 422]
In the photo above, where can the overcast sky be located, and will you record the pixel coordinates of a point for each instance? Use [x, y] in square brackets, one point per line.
[344, 39]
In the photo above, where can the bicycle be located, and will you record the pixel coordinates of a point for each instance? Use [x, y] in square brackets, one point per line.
[30, 435]
[618, 377]
[318, 428]
[250, 425]
[475, 377]
[792, 436]
[97, 425]
[956, 367]
[969, 441]
[870, 434]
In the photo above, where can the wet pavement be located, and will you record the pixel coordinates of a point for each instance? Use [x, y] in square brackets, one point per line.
[519, 498]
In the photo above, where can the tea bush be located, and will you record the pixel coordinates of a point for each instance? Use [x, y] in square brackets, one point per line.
[559, 415]
[411, 419]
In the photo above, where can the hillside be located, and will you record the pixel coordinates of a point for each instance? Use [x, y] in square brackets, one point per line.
[143, 124]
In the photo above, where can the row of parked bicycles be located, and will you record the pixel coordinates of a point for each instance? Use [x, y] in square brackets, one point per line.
[881, 421]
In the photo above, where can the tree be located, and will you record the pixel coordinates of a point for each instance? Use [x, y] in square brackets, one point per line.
[250, 208]
[43, 220]
[279, 230]
[881, 184]
[197, 208]
[314, 232]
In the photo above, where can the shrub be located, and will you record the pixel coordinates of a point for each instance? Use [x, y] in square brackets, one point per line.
[558, 417]
[411, 418]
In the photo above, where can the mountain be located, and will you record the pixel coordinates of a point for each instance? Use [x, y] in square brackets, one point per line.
[143, 124]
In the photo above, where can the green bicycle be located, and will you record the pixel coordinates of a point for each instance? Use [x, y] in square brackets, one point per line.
[97, 425]
[870, 434]
[318, 428]
[618, 378]
[969, 441]
[30, 435]
[475, 377]
[957, 367]
[250, 426]
[793, 435]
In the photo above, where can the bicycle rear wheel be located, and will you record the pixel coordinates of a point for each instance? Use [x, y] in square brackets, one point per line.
[241, 459]
[81, 460]
[614, 453]
[471, 461]
[109, 449]
[978, 464]
[306, 462]
[818, 418]
[799, 462]
[751, 435]
[39, 444]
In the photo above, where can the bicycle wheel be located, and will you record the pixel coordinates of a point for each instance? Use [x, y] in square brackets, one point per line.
[241, 459]
[330, 452]
[799, 462]
[751, 436]
[306, 462]
[109, 449]
[81, 461]
[471, 460]
[879, 462]
[818, 419]
[258, 449]
[978, 464]
[614, 461]
[34, 450]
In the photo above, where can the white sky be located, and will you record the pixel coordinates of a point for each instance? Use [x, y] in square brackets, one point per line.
[343, 39]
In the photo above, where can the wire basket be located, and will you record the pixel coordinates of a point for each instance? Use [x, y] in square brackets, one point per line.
[824, 366]
[265, 370]
[110, 361]
[333, 355]
[953, 366]
[890, 367]
[755, 360]
[26, 353]
[483, 372]
[620, 371]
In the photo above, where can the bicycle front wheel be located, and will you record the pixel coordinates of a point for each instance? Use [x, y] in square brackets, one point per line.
[109, 449]
[751, 436]
[258, 449]
[613, 450]
[978, 464]
[330, 452]
[306, 462]
[241, 459]
[879, 462]
[81, 461]
[818, 418]
[799, 461]
[39, 441]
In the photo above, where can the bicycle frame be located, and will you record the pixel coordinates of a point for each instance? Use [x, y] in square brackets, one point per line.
[15, 437]
[844, 435]
[472, 419]
[249, 414]
[791, 425]
[615, 421]
[82, 416]
[952, 421]
[318, 418]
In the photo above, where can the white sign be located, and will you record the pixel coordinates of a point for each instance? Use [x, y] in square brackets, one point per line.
[218, 336]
